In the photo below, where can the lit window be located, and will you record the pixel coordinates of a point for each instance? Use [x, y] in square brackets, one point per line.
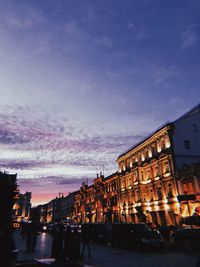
[158, 147]
[142, 156]
[150, 153]
[167, 143]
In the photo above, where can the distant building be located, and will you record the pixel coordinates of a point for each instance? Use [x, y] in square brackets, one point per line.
[54, 210]
[35, 215]
[97, 202]
[67, 205]
[43, 213]
[23, 206]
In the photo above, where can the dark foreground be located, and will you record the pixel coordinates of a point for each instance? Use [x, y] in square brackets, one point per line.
[106, 256]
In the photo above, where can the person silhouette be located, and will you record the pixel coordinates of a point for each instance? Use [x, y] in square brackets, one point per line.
[85, 238]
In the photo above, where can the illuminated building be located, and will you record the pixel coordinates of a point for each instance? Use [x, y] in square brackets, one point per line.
[97, 202]
[189, 189]
[67, 205]
[23, 206]
[149, 172]
[157, 180]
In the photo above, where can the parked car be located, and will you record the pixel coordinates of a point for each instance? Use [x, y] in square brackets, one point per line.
[139, 236]
[100, 232]
[51, 227]
[167, 231]
[187, 239]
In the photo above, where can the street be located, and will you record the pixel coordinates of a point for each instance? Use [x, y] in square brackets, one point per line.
[106, 256]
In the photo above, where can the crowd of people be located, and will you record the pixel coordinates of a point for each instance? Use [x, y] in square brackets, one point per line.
[66, 246]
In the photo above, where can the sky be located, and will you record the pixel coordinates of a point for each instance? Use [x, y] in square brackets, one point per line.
[82, 81]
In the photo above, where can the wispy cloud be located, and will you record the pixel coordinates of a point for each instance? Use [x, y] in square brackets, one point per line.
[39, 143]
[24, 16]
[189, 37]
[104, 41]
[165, 74]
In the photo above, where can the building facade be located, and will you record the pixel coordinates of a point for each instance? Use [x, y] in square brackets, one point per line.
[158, 180]
[23, 206]
[152, 176]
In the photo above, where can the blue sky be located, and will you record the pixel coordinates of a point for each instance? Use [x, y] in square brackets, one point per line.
[82, 81]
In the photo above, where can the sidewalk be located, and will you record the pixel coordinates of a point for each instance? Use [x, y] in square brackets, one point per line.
[43, 247]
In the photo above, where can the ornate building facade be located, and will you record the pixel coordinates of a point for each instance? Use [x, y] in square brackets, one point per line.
[151, 183]
[147, 181]
[158, 179]
[97, 202]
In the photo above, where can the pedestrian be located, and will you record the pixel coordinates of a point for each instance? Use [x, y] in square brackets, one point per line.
[31, 236]
[85, 238]
[57, 245]
[67, 241]
[74, 249]
[23, 229]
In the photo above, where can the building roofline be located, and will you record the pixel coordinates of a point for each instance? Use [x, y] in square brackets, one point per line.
[110, 176]
[188, 113]
[145, 138]
[160, 128]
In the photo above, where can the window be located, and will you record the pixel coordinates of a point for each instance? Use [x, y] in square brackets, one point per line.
[129, 182]
[159, 192]
[157, 172]
[154, 152]
[167, 168]
[187, 144]
[159, 147]
[194, 127]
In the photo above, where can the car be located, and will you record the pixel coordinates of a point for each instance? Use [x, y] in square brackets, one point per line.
[74, 226]
[187, 239]
[167, 231]
[136, 235]
[100, 232]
